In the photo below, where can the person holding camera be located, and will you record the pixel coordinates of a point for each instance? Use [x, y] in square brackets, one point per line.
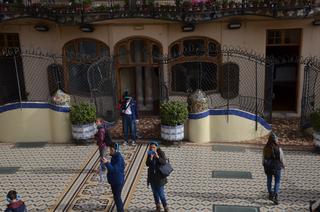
[156, 157]
[115, 174]
[129, 113]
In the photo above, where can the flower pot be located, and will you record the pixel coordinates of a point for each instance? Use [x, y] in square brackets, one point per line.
[172, 133]
[316, 139]
[82, 132]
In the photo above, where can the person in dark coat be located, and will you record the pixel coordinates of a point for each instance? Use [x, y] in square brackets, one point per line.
[15, 203]
[156, 157]
[115, 174]
[273, 163]
[129, 113]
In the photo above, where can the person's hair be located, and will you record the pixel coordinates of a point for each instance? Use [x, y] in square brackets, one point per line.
[114, 146]
[271, 140]
[154, 143]
[12, 195]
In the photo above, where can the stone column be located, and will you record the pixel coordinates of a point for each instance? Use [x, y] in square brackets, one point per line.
[148, 88]
[139, 87]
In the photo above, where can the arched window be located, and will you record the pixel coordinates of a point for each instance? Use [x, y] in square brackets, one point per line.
[230, 80]
[137, 51]
[78, 55]
[195, 64]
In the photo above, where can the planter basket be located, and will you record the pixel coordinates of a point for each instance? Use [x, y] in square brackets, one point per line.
[82, 132]
[316, 139]
[172, 133]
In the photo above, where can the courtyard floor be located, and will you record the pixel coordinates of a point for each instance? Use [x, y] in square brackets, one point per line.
[64, 178]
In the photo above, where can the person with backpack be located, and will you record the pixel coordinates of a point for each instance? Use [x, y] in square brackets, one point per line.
[15, 203]
[102, 136]
[157, 157]
[115, 174]
[273, 163]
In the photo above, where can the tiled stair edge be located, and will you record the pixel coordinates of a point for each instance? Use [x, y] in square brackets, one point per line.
[77, 184]
[133, 176]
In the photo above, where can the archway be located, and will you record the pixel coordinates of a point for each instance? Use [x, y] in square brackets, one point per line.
[138, 72]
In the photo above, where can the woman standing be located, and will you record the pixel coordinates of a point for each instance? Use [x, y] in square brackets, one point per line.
[156, 157]
[273, 163]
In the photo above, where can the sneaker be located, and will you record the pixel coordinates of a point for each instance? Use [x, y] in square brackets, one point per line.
[125, 143]
[133, 143]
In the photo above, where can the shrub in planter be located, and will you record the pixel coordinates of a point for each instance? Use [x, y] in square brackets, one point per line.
[82, 114]
[173, 114]
[315, 122]
[82, 118]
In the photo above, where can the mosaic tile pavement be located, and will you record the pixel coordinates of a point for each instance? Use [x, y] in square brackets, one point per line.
[45, 173]
[94, 195]
[192, 188]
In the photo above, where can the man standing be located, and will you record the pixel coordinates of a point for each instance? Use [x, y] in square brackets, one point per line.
[129, 112]
[115, 174]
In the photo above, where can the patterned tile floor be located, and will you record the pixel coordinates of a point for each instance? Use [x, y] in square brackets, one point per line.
[94, 195]
[192, 188]
[45, 173]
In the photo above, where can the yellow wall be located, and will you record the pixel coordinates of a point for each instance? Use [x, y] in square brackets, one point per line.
[34, 125]
[220, 128]
[251, 36]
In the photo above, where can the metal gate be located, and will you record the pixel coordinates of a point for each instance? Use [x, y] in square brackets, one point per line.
[311, 90]
[102, 84]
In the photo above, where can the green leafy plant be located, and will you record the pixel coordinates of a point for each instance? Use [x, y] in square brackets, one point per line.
[82, 114]
[173, 113]
[315, 120]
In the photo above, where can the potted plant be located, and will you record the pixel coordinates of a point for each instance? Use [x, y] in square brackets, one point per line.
[83, 118]
[315, 122]
[173, 114]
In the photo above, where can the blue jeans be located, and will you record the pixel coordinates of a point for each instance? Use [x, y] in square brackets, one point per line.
[277, 179]
[129, 124]
[158, 194]
[116, 191]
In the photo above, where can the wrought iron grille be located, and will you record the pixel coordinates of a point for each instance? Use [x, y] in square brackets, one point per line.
[234, 78]
[311, 90]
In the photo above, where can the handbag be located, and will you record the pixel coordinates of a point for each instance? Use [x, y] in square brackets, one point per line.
[166, 169]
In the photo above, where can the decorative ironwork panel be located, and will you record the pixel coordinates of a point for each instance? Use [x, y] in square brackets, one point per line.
[102, 85]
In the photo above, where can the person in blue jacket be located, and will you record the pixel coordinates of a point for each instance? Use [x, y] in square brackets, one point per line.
[129, 113]
[115, 174]
[15, 203]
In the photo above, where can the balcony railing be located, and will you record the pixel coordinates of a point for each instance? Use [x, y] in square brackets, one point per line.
[194, 11]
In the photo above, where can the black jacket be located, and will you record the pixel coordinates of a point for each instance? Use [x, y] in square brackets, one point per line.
[154, 175]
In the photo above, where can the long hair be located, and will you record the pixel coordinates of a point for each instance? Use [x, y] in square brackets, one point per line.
[271, 144]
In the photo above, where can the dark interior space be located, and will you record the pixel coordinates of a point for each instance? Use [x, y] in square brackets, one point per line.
[284, 77]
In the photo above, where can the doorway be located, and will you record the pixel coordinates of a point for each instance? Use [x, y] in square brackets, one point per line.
[12, 85]
[285, 46]
[138, 73]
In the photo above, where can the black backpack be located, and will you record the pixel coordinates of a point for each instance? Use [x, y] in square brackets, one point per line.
[270, 165]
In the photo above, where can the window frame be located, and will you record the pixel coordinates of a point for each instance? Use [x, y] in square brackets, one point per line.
[283, 37]
[75, 43]
[217, 60]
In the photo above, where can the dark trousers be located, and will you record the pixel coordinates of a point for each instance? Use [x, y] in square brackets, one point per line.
[129, 124]
[116, 191]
